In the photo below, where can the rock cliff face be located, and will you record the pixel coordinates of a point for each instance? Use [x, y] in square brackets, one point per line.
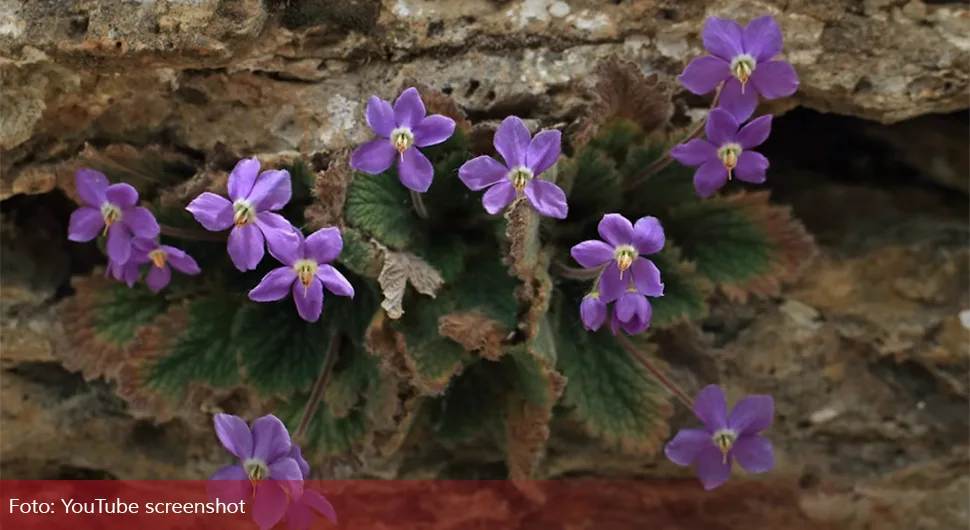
[867, 356]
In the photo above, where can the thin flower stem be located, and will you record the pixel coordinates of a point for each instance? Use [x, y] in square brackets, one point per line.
[419, 205]
[316, 395]
[197, 235]
[573, 273]
[665, 160]
[654, 371]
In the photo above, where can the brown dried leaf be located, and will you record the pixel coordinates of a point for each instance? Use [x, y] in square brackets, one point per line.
[330, 190]
[522, 233]
[527, 429]
[794, 247]
[476, 332]
[437, 102]
[401, 268]
[623, 91]
[391, 346]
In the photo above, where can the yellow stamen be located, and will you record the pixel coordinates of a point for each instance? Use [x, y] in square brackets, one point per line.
[243, 213]
[724, 440]
[305, 269]
[158, 257]
[111, 215]
[625, 255]
[520, 177]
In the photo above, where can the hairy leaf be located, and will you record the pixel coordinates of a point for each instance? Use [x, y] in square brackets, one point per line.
[356, 371]
[613, 397]
[329, 190]
[592, 184]
[471, 408]
[522, 234]
[685, 293]
[381, 206]
[669, 185]
[360, 254]
[476, 332]
[401, 269]
[326, 435]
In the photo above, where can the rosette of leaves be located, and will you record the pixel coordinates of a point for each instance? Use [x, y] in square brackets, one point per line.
[462, 332]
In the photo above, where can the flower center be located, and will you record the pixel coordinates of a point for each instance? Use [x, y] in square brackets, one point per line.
[729, 153]
[158, 257]
[520, 176]
[741, 67]
[724, 440]
[402, 138]
[625, 255]
[111, 215]
[305, 270]
[256, 469]
[243, 213]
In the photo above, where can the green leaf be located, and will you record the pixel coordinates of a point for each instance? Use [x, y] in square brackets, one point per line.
[530, 366]
[616, 137]
[592, 183]
[203, 351]
[358, 254]
[355, 371]
[381, 206]
[610, 394]
[724, 245]
[471, 408]
[326, 435]
[668, 188]
[121, 311]
[684, 297]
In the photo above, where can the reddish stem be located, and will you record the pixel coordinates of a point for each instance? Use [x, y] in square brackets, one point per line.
[197, 235]
[316, 395]
[654, 371]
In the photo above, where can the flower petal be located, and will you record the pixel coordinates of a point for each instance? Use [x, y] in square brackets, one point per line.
[751, 167]
[230, 484]
[616, 230]
[703, 74]
[121, 195]
[547, 198]
[686, 445]
[433, 130]
[235, 436]
[415, 170]
[309, 300]
[712, 468]
[324, 245]
[752, 414]
[723, 38]
[628, 305]
[498, 197]
[646, 277]
[158, 277]
[181, 261]
[119, 242]
[281, 237]
[775, 79]
[269, 506]
[592, 311]
[141, 221]
[512, 141]
[242, 178]
[762, 38]
[374, 156]
[287, 471]
[710, 408]
[298, 515]
[334, 281]
[85, 224]
[246, 247]
[319, 503]
[694, 152]
[755, 132]
[409, 109]
[740, 103]
[274, 286]
[543, 151]
[91, 186]
[721, 127]
[213, 212]
[297, 454]
[612, 285]
[271, 442]
[648, 235]
[272, 190]
[482, 172]
[380, 116]
[592, 253]
[709, 178]
[754, 453]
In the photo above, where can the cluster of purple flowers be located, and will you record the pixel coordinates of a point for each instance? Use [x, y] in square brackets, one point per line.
[740, 66]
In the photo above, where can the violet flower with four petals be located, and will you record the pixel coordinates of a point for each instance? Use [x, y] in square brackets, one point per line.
[725, 437]
[306, 273]
[267, 475]
[726, 151]
[299, 514]
[742, 59]
[109, 207]
[163, 259]
[402, 130]
[254, 197]
[525, 159]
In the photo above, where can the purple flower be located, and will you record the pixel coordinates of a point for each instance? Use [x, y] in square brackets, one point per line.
[739, 56]
[402, 129]
[631, 313]
[525, 159]
[306, 273]
[124, 272]
[725, 151]
[725, 436]
[622, 251]
[163, 259]
[299, 514]
[268, 474]
[111, 208]
[592, 311]
[254, 198]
